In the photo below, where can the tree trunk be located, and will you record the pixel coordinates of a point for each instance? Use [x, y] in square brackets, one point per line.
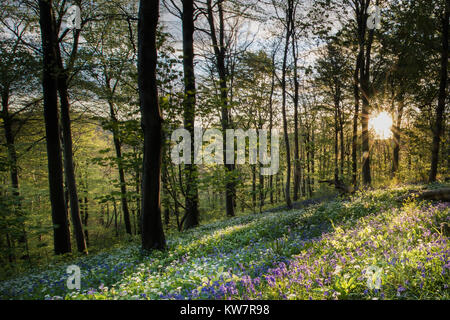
[336, 169]
[261, 190]
[116, 226]
[219, 52]
[123, 185]
[137, 229]
[397, 135]
[356, 87]
[296, 94]
[308, 163]
[191, 199]
[61, 231]
[68, 155]
[12, 161]
[253, 188]
[437, 130]
[86, 218]
[272, 88]
[313, 158]
[341, 138]
[151, 122]
[283, 106]
[365, 93]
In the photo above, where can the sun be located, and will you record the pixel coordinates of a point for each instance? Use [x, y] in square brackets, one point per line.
[381, 124]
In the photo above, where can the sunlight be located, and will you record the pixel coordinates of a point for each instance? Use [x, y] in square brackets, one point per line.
[381, 124]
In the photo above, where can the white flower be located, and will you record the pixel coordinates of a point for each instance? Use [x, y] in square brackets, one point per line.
[337, 270]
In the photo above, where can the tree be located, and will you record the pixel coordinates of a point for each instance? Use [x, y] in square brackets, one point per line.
[191, 199]
[364, 85]
[297, 164]
[18, 74]
[437, 130]
[104, 38]
[69, 171]
[289, 16]
[61, 231]
[219, 47]
[151, 225]
[253, 86]
[332, 74]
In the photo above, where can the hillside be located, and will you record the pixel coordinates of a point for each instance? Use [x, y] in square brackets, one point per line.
[323, 251]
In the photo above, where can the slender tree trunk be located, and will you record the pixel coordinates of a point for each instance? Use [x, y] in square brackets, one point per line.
[277, 190]
[123, 185]
[219, 52]
[341, 138]
[86, 218]
[336, 169]
[68, 155]
[191, 199]
[12, 161]
[355, 124]
[356, 85]
[397, 135]
[272, 88]
[365, 92]
[437, 129]
[10, 143]
[253, 188]
[313, 159]
[55, 173]
[152, 231]
[296, 94]
[308, 162]
[262, 194]
[283, 106]
[137, 228]
[116, 225]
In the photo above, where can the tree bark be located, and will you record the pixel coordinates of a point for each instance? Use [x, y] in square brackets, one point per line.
[296, 97]
[341, 138]
[118, 149]
[357, 80]
[355, 119]
[262, 194]
[61, 231]
[191, 198]
[152, 231]
[397, 135]
[219, 52]
[272, 88]
[253, 188]
[283, 106]
[365, 93]
[437, 130]
[68, 154]
[336, 169]
[12, 161]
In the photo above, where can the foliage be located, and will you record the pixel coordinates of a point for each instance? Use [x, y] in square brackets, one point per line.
[320, 252]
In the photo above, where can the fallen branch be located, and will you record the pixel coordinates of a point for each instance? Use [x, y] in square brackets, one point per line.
[339, 185]
[437, 194]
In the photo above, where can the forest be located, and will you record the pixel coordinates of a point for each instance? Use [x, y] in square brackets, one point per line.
[224, 149]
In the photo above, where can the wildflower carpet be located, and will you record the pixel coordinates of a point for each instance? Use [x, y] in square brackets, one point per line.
[325, 251]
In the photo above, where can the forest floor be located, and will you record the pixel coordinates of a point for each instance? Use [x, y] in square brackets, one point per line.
[368, 246]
